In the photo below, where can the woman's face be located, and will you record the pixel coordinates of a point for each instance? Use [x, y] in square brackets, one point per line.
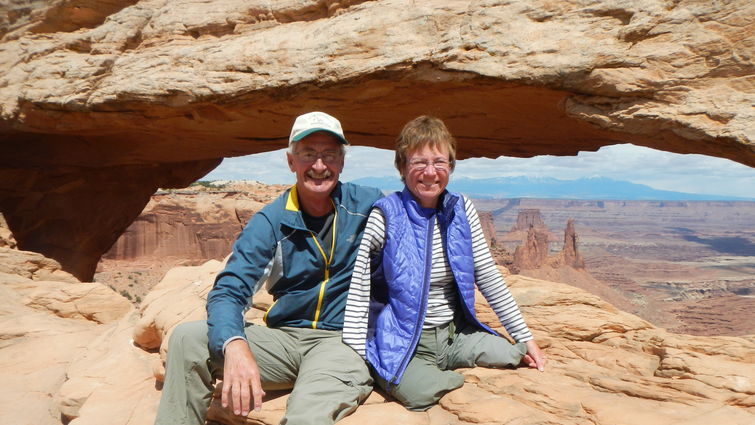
[426, 174]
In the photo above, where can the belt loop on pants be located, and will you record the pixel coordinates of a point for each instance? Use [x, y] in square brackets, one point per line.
[452, 330]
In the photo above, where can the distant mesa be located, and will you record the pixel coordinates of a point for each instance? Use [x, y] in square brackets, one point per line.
[593, 188]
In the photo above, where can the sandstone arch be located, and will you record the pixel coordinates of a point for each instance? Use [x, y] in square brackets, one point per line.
[97, 113]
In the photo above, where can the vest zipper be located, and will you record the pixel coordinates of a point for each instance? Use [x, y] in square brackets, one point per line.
[423, 303]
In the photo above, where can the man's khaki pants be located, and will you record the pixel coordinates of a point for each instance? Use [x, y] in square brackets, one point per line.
[328, 378]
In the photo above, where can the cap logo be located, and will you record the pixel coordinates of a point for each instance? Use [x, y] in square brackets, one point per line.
[312, 122]
[317, 119]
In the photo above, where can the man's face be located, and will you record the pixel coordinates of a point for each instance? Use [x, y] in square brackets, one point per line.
[317, 162]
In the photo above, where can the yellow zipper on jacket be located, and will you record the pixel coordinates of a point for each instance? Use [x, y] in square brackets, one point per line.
[264, 318]
[327, 265]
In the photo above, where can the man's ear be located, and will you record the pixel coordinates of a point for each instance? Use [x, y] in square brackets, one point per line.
[290, 159]
[343, 163]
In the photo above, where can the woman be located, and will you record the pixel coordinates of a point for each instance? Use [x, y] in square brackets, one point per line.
[410, 309]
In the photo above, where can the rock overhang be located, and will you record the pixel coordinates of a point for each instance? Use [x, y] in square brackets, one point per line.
[158, 92]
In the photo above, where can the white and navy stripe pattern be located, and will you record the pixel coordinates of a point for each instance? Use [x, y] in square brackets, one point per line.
[443, 295]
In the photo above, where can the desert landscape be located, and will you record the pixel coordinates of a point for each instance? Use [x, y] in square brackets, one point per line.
[109, 110]
[686, 266]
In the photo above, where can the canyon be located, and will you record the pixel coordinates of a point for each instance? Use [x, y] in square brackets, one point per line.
[688, 266]
[103, 104]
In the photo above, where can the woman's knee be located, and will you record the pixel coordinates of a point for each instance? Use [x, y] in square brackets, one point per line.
[422, 394]
[503, 355]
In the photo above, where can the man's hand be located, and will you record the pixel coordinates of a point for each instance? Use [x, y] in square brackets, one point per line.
[240, 374]
[534, 357]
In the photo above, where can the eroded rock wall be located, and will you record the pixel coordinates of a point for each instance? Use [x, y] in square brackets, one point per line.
[6, 236]
[74, 214]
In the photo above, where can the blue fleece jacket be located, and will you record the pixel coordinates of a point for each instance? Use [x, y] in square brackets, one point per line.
[276, 250]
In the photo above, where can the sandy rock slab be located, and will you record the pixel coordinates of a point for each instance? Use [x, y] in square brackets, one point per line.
[32, 265]
[112, 381]
[181, 296]
[36, 348]
[45, 327]
[605, 366]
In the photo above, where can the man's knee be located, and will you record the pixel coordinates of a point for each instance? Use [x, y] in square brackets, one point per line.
[189, 339]
[325, 401]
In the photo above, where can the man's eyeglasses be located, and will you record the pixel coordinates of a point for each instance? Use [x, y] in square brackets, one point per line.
[311, 156]
[421, 164]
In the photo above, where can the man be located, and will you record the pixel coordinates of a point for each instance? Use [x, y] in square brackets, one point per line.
[302, 248]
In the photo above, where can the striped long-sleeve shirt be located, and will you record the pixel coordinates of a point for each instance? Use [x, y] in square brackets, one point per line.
[442, 295]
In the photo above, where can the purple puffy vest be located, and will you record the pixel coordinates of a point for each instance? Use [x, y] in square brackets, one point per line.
[401, 280]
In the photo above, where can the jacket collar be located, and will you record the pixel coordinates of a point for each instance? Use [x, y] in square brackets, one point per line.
[447, 201]
[292, 213]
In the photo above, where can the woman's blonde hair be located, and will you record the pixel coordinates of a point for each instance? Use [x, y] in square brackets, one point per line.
[423, 131]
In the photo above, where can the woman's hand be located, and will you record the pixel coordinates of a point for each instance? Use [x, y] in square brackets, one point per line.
[534, 357]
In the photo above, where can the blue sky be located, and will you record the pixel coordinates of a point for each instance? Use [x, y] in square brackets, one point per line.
[658, 169]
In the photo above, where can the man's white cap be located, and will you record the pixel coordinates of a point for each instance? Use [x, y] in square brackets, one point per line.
[312, 122]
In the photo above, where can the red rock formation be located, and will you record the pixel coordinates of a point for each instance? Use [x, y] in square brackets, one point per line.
[532, 235]
[187, 226]
[501, 256]
[569, 254]
[534, 250]
[102, 103]
[184, 227]
[192, 224]
[528, 218]
[532, 258]
[488, 227]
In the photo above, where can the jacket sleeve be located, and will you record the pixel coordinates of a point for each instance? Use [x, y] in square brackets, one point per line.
[234, 286]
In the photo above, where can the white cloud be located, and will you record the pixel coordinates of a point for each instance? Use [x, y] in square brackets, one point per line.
[658, 169]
